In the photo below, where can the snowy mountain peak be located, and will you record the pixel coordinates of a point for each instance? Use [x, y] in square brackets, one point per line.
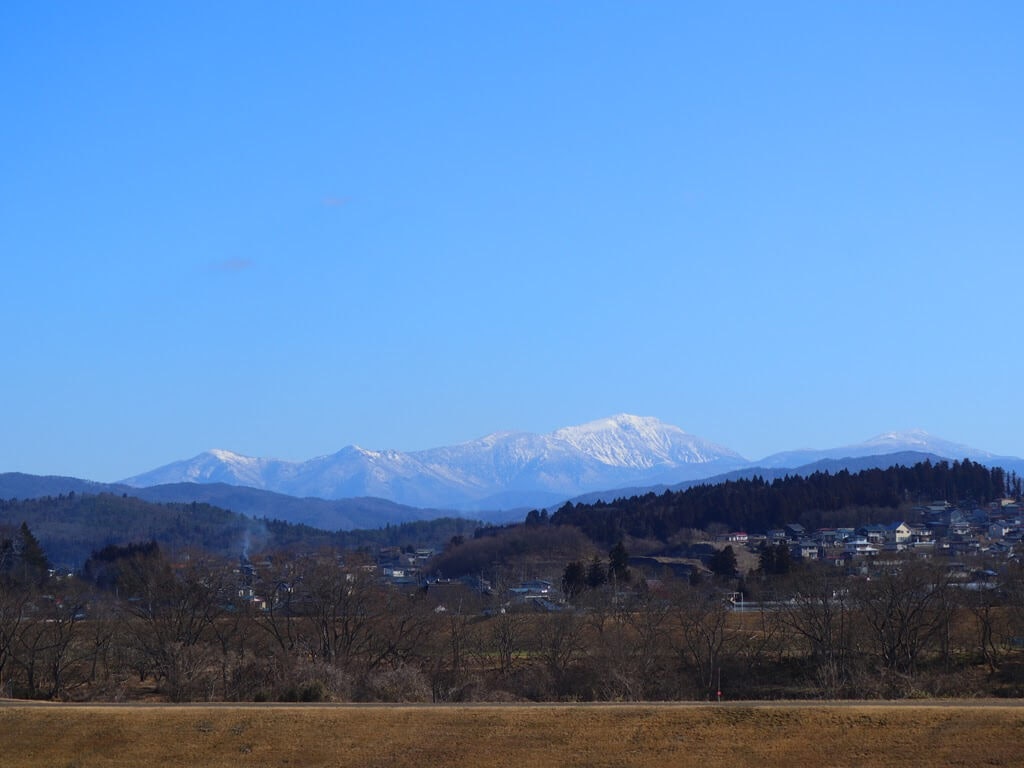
[915, 440]
[606, 453]
[213, 466]
[625, 440]
[519, 468]
[906, 437]
[919, 440]
[230, 457]
[620, 421]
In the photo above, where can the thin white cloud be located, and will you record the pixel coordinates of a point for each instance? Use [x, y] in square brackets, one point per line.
[234, 265]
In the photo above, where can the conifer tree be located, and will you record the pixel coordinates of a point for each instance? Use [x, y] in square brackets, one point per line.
[618, 563]
[34, 563]
[597, 574]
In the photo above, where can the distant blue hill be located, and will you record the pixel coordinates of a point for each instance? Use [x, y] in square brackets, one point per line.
[330, 515]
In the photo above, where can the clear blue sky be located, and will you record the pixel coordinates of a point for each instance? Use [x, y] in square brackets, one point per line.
[282, 228]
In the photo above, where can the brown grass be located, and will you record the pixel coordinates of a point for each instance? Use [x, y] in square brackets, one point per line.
[707, 735]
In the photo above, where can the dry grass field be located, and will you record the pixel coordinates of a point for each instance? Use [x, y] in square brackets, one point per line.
[706, 735]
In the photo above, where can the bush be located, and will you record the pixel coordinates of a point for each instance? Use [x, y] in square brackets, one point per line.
[403, 683]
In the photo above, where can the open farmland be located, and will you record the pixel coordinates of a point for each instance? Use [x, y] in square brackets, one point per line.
[708, 735]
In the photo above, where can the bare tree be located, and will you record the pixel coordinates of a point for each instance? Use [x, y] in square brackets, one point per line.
[506, 631]
[400, 629]
[13, 600]
[560, 648]
[455, 644]
[760, 646]
[280, 591]
[340, 602]
[700, 634]
[648, 617]
[822, 613]
[611, 647]
[905, 608]
[168, 617]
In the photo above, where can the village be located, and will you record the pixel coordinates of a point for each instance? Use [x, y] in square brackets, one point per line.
[972, 541]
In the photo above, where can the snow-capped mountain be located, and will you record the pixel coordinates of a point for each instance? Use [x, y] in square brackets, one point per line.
[916, 440]
[641, 442]
[507, 470]
[520, 468]
[218, 466]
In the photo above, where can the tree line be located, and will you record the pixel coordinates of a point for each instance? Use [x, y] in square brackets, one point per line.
[322, 625]
[817, 500]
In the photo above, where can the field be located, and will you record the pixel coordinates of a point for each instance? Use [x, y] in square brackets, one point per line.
[706, 735]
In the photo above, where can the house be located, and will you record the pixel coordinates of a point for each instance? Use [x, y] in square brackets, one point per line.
[776, 536]
[827, 537]
[533, 589]
[247, 594]
[921, 534]
[998, 530]
[794, 531]
[859, 547]
[898, 533]
[736, 537]
[537, 586]
[874, 533]
[807, 549]
[653, 566]
[959, 529]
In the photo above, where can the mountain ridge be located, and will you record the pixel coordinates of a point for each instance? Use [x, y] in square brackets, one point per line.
[522, 469]
[514, 466]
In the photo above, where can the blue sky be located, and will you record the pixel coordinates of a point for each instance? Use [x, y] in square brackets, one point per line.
[285, 228]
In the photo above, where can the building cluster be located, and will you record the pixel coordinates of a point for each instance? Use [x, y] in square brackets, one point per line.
[940, 529]
[995, 530]
[403, 566]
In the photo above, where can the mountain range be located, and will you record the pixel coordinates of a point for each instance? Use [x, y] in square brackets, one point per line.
[515, 470]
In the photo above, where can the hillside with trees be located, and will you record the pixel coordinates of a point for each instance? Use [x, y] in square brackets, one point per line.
[339, 514]
[72, 526]
[818, 500]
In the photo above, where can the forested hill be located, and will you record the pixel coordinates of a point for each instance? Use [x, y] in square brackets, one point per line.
[817, 500]
[337, 514]
[72, 526]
